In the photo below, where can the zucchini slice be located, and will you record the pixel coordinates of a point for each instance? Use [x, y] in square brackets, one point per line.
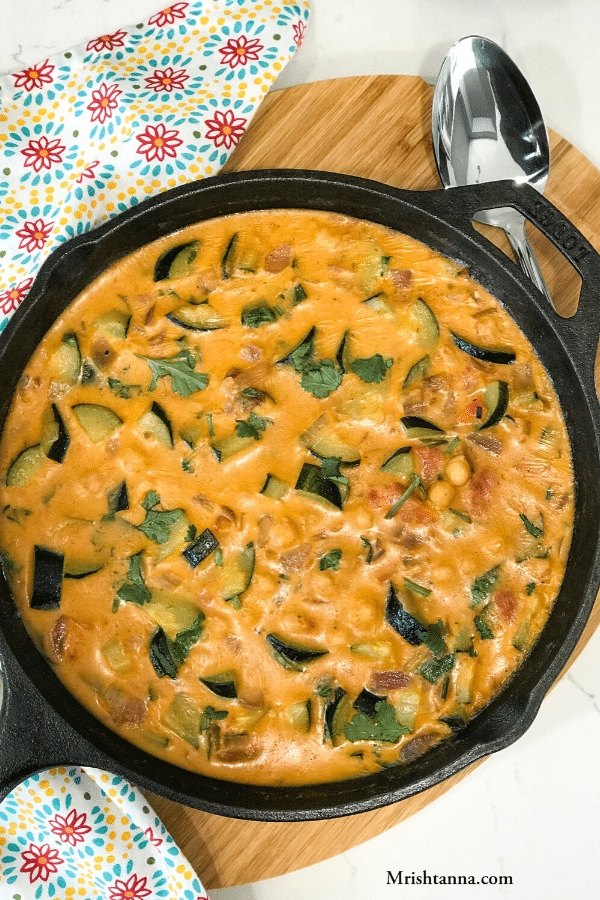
[429, 329]
[366, 703]
[178, 262]
[380, 304]
[238, 570]
[422, 430]
[54, 437]
[338, 712]
[417, 371]
[81, 569]
[399, 463]
[342, 357]
[291, 655]
[97, 421]
[65, 363]
[312, 483]
[200, 548]
[302, 353]
[113, 323]
[47, 578]
[300, 715]
[274, 488]
[197, 317]
[486, 354]
[24, 466]
[223, 685]
[178, 538]
[402, 621]
[183, 717]
[326, 445]
[229, 446]
[117, 499]
[156, 422]
[406, 706]
[174, 615]
[496, 401]
[228, 260]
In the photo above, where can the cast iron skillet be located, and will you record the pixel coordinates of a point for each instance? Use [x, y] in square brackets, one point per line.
[41, 725]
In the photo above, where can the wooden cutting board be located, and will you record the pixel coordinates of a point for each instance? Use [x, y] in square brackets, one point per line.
[376, 127]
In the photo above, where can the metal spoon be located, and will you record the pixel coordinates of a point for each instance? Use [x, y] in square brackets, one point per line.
[487, 126]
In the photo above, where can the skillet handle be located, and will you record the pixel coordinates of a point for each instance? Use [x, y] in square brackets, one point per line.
[582, 330]
[33, 737]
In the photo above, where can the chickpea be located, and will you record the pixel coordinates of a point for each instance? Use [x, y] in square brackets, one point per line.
[458, 471]
[441, 494]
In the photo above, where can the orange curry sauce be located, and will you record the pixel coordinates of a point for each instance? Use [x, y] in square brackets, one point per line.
[286, 497]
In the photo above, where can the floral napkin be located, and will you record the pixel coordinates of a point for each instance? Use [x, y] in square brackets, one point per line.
[84, 135]
[88, 133]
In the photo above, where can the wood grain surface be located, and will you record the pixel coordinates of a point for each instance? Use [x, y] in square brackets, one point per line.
[374, 127]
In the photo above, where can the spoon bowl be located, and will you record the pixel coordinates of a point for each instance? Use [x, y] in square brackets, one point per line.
[487, 126]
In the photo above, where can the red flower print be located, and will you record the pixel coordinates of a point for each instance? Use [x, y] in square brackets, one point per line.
[153, 840]
[34, 235]
[167, 16]
[299, 30]
[167, 79]
[238, 51]
[132, 889]
[43, 153]
[225, 130]
[156, 142]
[107, 42]
[34, 76]
[88, 172]
[14, 296]
[104, 101]
[40, 862]
[70, 828]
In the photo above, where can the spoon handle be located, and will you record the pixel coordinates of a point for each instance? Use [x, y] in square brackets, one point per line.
[514, 226]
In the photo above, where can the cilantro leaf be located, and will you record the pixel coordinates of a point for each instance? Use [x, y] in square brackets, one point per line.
[209, 714]
[382, 727]
[331, 470]
[371, 369]
[533, 530]
[187, 466]
[134, 590]
[330, 560]
[125, 391]
[253, 427]
[484, 630]
[484, 585]
[255, 316]
[181, 645]
[167, 654]
[180, 368]
[434, 668]
[157, 524]
[432, 638]
[150, 500]
[321, 378]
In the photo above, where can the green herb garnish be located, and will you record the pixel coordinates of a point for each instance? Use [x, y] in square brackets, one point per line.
[180, 368]
[533, 530]
[451, 447]
[134, 590]
[484, 630]
[252, 427]
[321, 378]
[369, 547]
[209, 714]
[125, 391]
[158, 522]
[530, 588]
[255, 316]
[416, 588]
[414, 483]
[330, 560]
[187, 466]
[432, 638]
[435, 668]
[372, 369]
[382, 727]
[484, 585]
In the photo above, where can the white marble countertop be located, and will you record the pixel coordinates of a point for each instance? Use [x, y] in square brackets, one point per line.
[531, 811]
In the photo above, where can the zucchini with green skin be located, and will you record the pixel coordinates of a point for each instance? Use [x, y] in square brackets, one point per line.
[291, 655]
[156, 422]
[65, 363]
[314, 484]
[302, 353]
[98, 422]
[401, 621]
[222, 685]
[78, 570]
[24, 466]
[48, 568]
[238, 570]
[326, 444]
[54, 437]
[118, 499]
[496, 400]
[380, 304]
[183, 717]
[429, 329]
[399, 463]
[338, 713]
[198, 317]
[274, 488]
[177, 262]
[228, 260]
[201, 548]
[486, 354]
[422, 430]
[113, 323]
[225, 448]
[417, 371]
[366, 702]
